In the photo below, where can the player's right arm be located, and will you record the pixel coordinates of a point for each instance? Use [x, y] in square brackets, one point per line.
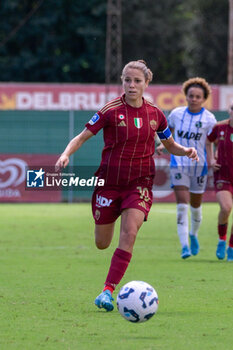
[72, 147]
[211, 153]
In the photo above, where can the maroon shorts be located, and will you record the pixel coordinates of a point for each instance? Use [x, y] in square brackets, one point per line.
[109, 201]
[223, 185]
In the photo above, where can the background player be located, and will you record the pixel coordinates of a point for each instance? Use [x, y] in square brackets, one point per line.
[190, 126]
[222, 135]
[129, 126]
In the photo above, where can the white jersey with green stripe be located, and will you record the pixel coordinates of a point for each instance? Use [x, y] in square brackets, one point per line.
[191, 130]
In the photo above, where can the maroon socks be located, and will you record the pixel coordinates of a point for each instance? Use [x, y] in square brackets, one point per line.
[119, 263]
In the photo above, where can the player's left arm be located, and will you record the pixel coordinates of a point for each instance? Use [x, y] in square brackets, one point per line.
[174, 147]
[178, 150]
[160, 147]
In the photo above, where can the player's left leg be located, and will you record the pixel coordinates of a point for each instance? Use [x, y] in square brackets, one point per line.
[196, 218]
[230, 247]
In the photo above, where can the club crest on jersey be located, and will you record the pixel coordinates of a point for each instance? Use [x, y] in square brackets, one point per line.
[97, 214]
[219, 185]
[178, 176]
[138, 122]
[94, 119]
[198, 124]
[231, 137]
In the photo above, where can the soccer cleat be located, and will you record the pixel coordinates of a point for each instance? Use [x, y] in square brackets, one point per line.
[185, 252]
[221, 249]
[229, 254]
[194, 245]
[104, 300]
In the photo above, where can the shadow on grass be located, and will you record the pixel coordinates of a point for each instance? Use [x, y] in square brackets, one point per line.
[195, 260]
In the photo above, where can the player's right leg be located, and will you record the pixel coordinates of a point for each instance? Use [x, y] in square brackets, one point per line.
[182, 199]
[180, 183]
[197, 188]
[224, 199]
[103, 238]
[104, 300]
[105, 213]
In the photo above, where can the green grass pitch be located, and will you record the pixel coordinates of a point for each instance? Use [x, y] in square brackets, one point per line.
[51, 272]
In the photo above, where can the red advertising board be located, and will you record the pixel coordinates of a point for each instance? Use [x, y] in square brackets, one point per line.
[13, 169]
[24, 96]
[162, 192]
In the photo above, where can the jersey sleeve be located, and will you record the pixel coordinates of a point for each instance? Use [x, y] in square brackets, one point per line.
[171, 120]
[163, 130]
[212, 122]
[96, 123]
[214, 134]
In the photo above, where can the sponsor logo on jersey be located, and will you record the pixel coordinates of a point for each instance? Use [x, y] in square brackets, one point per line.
[153, 124]
[94, 119]
[198, 124]
[189, 135]
[138, 122]
[122, 123]
[231, 137]
[221, 135]
[102, 201]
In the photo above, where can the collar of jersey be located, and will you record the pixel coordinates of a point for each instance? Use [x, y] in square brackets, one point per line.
[200, 112]
[124, 101]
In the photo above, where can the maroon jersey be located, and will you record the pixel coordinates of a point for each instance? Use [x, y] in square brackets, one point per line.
[223, 134]
[128, 140]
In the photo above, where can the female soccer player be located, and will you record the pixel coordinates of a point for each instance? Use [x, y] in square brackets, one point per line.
[129, 126]
[190, 126]
[222, 135]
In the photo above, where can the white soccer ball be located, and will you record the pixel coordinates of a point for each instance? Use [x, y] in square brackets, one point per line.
[137, 301]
